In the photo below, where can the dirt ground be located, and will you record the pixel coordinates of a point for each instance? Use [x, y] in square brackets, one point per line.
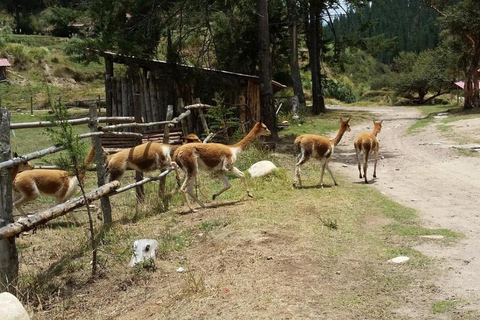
[424, 171]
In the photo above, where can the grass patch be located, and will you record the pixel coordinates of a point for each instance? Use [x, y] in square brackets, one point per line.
[443, 306]
[416, 230]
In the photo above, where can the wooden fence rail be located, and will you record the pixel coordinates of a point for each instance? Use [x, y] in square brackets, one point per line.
[73, 122]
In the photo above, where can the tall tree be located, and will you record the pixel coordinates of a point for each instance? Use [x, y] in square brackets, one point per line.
[293, 17]
[461, 29]
[314, 42]
[266, 91]
[21, 11]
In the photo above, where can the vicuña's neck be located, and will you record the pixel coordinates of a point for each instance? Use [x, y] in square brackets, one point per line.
[375, 132]
[15, 170]
[338, 137]
[243, 144]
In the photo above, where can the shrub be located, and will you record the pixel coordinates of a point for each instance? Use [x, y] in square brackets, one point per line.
[18, 54]
[39, 54]
[341, 89]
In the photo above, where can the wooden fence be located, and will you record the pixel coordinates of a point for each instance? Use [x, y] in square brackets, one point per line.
[9, 229]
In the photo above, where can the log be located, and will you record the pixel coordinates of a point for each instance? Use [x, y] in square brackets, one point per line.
[28, 223]
[198, 106]
[142, 182]
[135, 125]
[44, 124]
[30, 156]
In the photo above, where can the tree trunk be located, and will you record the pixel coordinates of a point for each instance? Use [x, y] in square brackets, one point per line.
[294, 66]
[267, 106]
[312, 29]
[470, 95]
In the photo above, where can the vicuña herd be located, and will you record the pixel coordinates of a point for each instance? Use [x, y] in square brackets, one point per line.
[191, 157]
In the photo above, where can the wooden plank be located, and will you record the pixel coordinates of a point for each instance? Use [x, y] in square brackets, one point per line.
[153, 98]
[114, 97]
[118, 89]
[124, 97]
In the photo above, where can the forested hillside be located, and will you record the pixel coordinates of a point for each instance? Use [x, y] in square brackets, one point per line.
[385, 51]
[386, 28]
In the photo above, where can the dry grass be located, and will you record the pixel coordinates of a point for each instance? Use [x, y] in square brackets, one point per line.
[272, 257]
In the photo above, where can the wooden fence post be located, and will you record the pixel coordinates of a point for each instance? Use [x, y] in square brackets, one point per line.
[202, 117]
[100, 161]
[137, 104]
[180, 110]
[166, 139]
[8, 250]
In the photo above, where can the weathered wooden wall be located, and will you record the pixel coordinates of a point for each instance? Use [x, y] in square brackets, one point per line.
[153, 101]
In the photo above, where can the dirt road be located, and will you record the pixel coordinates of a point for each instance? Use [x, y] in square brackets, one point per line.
[425, 172]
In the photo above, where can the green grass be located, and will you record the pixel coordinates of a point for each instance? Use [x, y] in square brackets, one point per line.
[443, 306]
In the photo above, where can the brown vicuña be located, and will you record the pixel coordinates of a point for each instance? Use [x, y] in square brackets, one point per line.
[59, 184]
[367, 143]
[214, 157]
[319, 147]
[146, 157]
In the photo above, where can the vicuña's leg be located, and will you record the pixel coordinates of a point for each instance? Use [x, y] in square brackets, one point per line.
[194, 196]
[303, 157]
[357, 153]
[188, 187]
[226, 184]
[375, 154]
[177, 173]
[17, 204]
[365, 166]
[331, 174]
[322, 172]
[240, 174]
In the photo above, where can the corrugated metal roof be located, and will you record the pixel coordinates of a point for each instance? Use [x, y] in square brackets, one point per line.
[4, 63]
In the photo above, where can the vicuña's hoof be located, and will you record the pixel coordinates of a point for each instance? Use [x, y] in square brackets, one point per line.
[214, 196]
[249, 195]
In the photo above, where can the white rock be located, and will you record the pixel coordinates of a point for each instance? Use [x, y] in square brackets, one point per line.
[399, 259]
[180, 269]
[143, 249]
[11, 308]
[433, 236]
[261, 168]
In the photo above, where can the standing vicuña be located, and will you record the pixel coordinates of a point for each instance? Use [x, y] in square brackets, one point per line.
[368, 143]
[310, 145]
[59, 184]
[214, 157]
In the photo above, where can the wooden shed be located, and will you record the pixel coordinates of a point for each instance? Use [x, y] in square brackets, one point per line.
[4, 64]
[152, 85]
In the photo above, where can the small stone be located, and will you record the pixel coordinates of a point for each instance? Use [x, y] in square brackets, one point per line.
[180, 270]
[433, 236]
[399, 259]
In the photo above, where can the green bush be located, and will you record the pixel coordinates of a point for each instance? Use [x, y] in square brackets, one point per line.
[18, 54]
[341, 89]
[39, 54]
